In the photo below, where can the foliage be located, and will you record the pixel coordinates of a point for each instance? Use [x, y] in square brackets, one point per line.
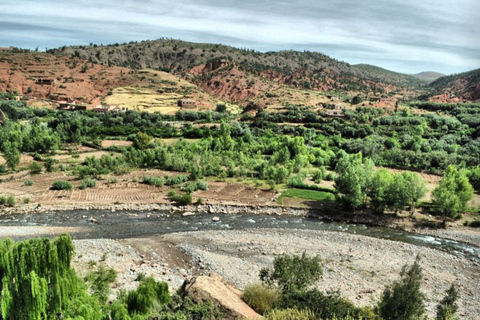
[353, 179]
[61, 185]
[453, 192]
[37, 281]
[153, 181]
[447, 308]
[142, 141]
[292, 273]
[35, 168]
[260, 297]
[306, 194]
[99, 281]
[403, 299]
[88, 183]
[180, 199]
[290, 314]
[148, 295]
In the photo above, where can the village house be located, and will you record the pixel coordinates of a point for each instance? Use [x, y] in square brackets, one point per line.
[186, 103]
[6, 48]
[375, 99]
[71, 106]
[108, 109]
[334, 110]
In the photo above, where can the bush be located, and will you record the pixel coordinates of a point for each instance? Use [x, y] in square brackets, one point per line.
[292, 273]
[149, 294]
[403, 299]
[180, 199]
[170, 181]
[260, 297]
[26, 200]
[290, 314]
[10, 201]
[35, 168]
[111, 181]
[194, 186]
[3, 200]
[153, 181]
[28, 183]
[61, 185]
[88, 183]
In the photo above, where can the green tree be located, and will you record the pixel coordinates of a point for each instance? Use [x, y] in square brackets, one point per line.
[11, 152]
[447, 308]
[403, 300]
[142, 141]
[415, 189]
[37, 282]
[35, 168]
[292, 273]
[453, 192]
[353, 180]
[379, 188]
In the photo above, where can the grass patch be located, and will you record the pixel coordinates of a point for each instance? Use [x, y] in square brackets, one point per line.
[306, 194]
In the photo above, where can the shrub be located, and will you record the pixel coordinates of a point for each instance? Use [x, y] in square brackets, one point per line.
[111, 181]
[170, 181]
[28, 183]
[61, 185]
[149, 294]
[292, 273]
[10, 201]
[3, 200]
[194, 186]
[153, 181]
[403, 299]
[26, 200]
[447, 308]
[88, 183]
[260, 297]
[180, 199]
[290, 314]
[35, 168]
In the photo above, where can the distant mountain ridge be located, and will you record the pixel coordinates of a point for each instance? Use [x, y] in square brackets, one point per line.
[429, 75]
[211, 65]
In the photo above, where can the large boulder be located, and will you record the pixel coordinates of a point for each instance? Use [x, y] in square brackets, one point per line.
[221, 293]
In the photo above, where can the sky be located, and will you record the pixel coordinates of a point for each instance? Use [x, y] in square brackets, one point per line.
[406, 36]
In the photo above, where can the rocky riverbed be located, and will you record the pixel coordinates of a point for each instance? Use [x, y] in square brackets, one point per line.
[359, 267]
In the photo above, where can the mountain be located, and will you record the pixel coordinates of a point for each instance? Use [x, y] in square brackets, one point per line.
[428, 76]
[52, 78]
[243, 75]
[457, 87]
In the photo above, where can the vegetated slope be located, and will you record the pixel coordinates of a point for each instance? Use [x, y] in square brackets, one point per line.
[383, 75]
[458, 87]
[428, 76]
[305, 70]
[90, 83]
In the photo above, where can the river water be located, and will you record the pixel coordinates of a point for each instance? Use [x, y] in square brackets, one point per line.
[123, 224]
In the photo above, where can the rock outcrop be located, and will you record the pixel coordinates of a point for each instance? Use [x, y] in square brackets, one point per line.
[222, 293]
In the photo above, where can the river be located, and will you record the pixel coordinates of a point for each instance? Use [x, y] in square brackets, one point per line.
[95, 224]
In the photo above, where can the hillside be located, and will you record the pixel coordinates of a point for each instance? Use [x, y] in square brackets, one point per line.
[199, 63]
[75, 79]
[428, 76]
[383, 75]
[458, 87]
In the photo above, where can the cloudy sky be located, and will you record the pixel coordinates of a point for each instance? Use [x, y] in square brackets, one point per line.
[402, 35]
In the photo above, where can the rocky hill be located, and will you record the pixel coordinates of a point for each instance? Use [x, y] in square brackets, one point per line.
[458, 87]
[204, 63]
[52, 78]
